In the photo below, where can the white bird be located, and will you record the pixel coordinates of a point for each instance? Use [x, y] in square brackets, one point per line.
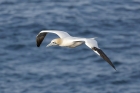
[66, 40]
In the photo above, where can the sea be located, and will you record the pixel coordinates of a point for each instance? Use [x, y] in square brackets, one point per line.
[26, 68]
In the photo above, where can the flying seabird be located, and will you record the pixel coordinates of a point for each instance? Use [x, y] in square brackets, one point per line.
[66, 40]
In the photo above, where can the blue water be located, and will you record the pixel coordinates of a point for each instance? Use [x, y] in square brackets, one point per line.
[25, 68]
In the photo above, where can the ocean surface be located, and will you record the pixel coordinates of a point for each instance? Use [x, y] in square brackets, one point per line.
[25, 68]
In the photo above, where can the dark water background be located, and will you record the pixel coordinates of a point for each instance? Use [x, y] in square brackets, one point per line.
[24, 68]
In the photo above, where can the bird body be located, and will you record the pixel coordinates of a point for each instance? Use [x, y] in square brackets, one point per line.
[69, 42]
[66, 40]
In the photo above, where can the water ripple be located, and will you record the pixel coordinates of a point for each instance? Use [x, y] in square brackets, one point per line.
[25, 68]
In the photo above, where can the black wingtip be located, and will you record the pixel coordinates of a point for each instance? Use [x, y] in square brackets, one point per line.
[38, 42]
[39, 39]
[114, 68]
[103, 55]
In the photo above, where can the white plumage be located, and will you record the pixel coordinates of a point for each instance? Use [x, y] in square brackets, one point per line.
[66, 40]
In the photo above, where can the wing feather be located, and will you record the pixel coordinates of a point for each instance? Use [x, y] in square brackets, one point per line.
[40, 37]
[104, 56]
[92, 44]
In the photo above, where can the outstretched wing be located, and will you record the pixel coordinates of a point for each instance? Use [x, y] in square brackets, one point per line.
[92, 43]
[40, 37]
[103, 55]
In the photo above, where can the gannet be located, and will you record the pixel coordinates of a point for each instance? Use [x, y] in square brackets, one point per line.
[65, 40]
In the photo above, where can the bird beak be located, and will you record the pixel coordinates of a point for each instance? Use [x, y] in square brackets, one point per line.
[103, 55]
[50, 44]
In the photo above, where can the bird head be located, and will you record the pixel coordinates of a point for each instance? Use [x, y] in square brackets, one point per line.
[55, 42]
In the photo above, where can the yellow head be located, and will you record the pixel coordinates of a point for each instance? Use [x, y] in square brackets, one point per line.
[55, 42]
